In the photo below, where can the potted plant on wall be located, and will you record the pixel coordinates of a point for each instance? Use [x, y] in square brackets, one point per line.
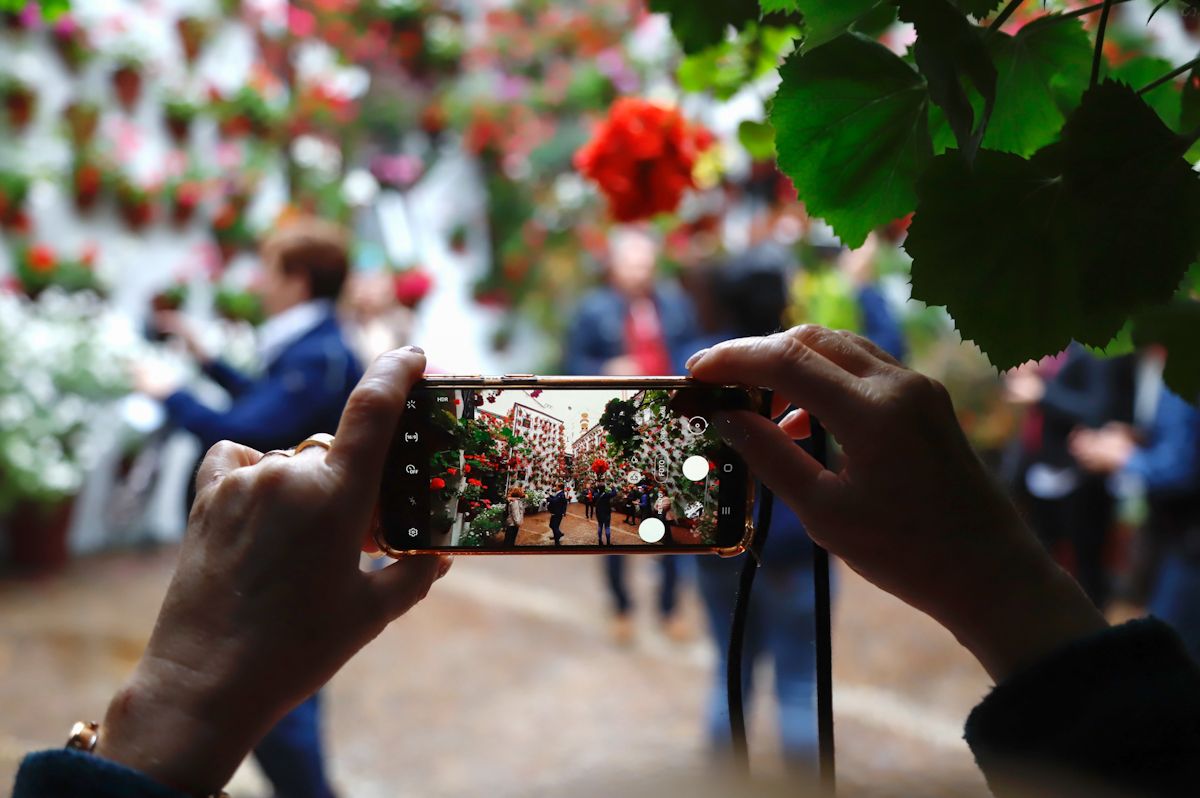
[70, 41]
[178, 114]
[14, 188]
[194, 32]
[87, 180]
[246, 113]
[183, 198]
[127, 79]
[135, 202]
[20, 101]
[81, 117]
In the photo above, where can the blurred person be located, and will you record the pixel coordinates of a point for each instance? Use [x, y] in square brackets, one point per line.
[633, 326]
[1162, 461]
[309, 372]
[514, 515]
[1070, 508]
[557, 504]
[629, 499]
[589, 501]
[878, 320]
[378, 323]
[749, 297]
[604, 499]
[239, 640]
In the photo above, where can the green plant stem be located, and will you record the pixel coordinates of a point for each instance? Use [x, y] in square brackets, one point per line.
[1099, 51]
[1003, 16]
[1174, 73]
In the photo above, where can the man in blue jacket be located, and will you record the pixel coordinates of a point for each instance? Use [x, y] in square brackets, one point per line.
[309, 373]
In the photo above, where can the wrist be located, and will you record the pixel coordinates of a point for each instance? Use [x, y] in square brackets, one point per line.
[1021, 611]
[168, 725]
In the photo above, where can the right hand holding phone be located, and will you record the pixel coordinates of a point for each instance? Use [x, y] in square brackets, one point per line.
[913, 509]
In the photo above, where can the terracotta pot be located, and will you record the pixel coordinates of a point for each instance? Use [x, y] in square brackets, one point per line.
[37, 536]
[182, 212]
[178, 129]
[82, 122]
[127, 82]
[20, 106]
[192, 36]
[87, 185]
[235, 126]
[137, 214]
[71, 50]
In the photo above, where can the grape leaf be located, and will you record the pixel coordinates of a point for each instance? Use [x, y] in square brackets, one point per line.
[1175, 326]
[701, 25]
[851, 127]
[825, 20]
[1134, 200]
[949, 49]
[1027, 254]
[1142, 70]
[1044, 66]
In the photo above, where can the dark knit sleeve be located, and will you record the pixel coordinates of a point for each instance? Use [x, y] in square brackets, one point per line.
[71, 774]
[1120, 709]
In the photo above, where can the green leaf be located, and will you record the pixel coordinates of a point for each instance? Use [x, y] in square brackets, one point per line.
[1141, 71]
[851, 127]
[701, 25]
[1189, 102]
[1039, 70]
[1027, 254]
[948, 50]
[779, 6]
[825, 20]
[1175, 326]
[758, 138]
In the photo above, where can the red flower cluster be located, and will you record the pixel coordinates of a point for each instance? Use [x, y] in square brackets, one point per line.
[642, 157]
[42, 258]
[412, 286]
[599, 465]
[437, 483]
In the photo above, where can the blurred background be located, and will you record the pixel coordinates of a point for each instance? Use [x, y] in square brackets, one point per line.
[148, 148]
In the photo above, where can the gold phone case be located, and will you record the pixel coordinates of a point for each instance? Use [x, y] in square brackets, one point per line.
[759, 398]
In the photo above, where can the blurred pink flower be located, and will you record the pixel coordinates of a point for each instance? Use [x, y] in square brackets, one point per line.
[301, 23]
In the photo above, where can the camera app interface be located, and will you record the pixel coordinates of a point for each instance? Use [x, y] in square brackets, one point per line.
[536, 469]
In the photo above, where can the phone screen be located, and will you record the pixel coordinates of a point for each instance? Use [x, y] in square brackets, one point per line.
[607, 468]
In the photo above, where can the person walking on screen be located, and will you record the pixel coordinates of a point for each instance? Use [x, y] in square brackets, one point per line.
[514, 515]
[310, 371]
[604, 499]
[558, 508]
[589, 502]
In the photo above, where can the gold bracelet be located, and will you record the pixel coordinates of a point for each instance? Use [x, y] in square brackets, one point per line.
[85, 735]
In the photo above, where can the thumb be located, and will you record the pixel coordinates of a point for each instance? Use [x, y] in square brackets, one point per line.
[402, 585]
[222, 458]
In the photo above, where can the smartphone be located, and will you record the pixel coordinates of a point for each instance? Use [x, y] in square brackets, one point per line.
[525, 464]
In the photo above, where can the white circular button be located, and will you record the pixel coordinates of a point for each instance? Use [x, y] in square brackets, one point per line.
[695, 468]
[652, 530]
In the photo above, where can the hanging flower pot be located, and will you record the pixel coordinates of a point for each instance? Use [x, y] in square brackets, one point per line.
[37, 536]
[170, 299]
[82, 118]
[14, 188]
[185, 198]
[135, 204]
[20, 102]
[178, 114]
[87, 180]
[194, 33]
[71, 42]
[127, 82]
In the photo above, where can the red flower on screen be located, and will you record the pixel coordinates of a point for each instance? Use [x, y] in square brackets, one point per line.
[437, 483]
[474, 482]
[453, 471]
[466, 469]
[41, 258]
[642, 156]
[599, 465]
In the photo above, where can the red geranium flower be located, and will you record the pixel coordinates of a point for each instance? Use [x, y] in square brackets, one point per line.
[475, 482]
[453, 471]
[599, 465]
[466, 469]
[41, 258]
[437, 483]
[412, 286]
[642, 158]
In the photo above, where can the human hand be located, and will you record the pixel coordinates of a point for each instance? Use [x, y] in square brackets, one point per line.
[155, 381]
[1023, 386]
[1104, 450]
[172, 322]
[913, 510]
[268, 600]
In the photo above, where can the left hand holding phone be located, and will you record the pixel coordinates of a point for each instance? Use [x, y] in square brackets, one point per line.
[268, 600]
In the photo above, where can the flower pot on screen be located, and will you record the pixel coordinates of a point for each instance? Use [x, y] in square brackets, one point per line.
[193, 35]
[87, 180]
[82, 119]
[127, 83]
[37, 536]
[71, 42]
[178, 115]
[185, 199]
[20, 104]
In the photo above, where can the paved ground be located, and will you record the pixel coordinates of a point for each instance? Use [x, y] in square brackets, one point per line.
[577, 529]
[506, 683]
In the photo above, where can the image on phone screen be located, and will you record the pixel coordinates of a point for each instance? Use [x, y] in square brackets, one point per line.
[565, 468]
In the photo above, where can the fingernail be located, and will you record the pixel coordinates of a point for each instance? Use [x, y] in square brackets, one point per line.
[695, 359]
[412, 348]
